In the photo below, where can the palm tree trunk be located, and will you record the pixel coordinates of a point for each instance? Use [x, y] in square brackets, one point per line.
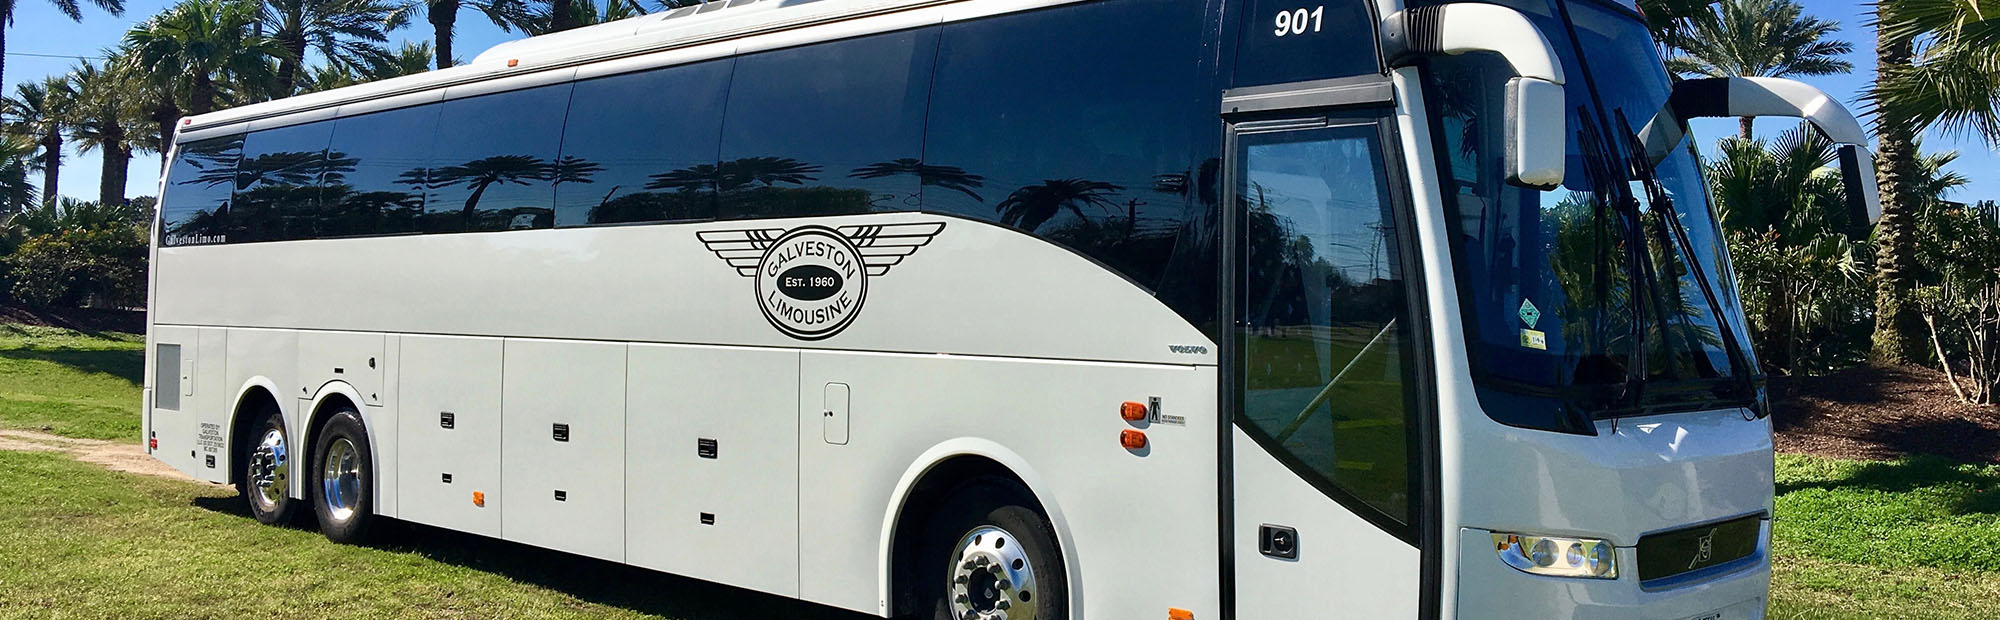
[201, 96]
[1897, 322]
[444, 19]
[4, 21]
[561, 16]
[166, 115]
[1745, 123]
[51, 167]
[111, 182]
[288, 67]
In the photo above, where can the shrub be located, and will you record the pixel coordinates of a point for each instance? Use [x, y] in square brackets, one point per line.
[94, 267]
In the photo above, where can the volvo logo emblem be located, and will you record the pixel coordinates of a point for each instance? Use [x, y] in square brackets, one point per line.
[1704, 549]
[810, 281]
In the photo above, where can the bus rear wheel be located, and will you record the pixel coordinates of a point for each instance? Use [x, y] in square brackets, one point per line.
[343, 489]
[989, 554]
[267, 470]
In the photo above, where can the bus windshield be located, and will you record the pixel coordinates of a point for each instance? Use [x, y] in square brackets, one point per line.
[1611, 294]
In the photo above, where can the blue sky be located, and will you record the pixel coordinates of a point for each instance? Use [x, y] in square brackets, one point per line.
[40, 30]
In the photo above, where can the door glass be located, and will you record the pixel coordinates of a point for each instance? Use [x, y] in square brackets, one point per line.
[1328, 372]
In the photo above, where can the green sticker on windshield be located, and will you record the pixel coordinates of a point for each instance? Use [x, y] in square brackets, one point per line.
[1529, 313]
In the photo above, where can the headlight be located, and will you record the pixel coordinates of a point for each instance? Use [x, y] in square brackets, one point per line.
[1555, 556]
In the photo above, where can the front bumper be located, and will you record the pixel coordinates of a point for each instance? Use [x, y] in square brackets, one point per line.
[1488, 588]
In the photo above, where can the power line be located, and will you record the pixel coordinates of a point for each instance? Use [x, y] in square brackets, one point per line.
[59, 56]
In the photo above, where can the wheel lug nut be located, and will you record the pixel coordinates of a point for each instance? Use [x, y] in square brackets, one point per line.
[1004, 584]
[961, 598]
[1002, 604]
[960, 580]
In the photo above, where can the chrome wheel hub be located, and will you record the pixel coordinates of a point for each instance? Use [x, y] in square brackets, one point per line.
[991, 577]
[270, 470]
[340, 479]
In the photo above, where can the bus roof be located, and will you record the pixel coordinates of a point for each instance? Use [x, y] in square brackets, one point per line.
[712, 30]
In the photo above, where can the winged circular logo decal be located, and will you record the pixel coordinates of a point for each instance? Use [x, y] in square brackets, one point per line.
[811, 280]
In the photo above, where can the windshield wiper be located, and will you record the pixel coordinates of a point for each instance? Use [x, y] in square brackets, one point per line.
[1602, 176]
[1663, 203]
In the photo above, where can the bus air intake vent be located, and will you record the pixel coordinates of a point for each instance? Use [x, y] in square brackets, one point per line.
[1666, 555]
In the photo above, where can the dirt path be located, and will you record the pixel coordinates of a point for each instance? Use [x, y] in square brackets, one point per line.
[114, 455]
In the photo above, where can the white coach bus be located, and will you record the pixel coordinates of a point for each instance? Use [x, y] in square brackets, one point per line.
[1005, 309]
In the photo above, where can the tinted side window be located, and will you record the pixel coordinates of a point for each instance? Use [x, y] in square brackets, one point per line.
[375, 179]
[198, 189]
[277, 183]
[1040, 122]
[827, 129]
[653, 137]
[1290, 41]
[495, 162]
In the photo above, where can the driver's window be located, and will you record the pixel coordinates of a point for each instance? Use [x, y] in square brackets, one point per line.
[1328, 374]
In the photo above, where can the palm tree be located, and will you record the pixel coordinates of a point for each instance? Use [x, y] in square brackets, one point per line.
[182, 52]
[581, 13]
[411, 59]
[1029, 207]
[1954, 84]
[947, 177]
[69, 8]
[41, 110]
[443, 17]
[106, 118]
[1757, 38]
[1783, 208]
[16, 194]
[346, 33]
[480, 174]
[1667, 18]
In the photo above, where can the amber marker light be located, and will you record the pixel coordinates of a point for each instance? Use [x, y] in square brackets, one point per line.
[1132, 412]
[1176, 613]
[1131, 439]
[513, 62]
[479, 499]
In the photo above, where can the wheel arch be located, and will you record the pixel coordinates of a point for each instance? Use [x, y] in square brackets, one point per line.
[254, 391]
[937, 471]
[322, 405]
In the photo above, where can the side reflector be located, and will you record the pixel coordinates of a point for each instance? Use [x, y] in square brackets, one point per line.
[479, 499]
[1176, 613]
[153, 444]
[513, 62]
[1131, 439]
[1132, 412]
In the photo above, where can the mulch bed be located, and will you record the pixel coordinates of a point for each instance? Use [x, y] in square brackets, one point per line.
[1881, 413]
[83, 320]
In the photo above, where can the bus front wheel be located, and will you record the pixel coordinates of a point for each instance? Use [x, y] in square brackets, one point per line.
[343, 478]
[990, 555]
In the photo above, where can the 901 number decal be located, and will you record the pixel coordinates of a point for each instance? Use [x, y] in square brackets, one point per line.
[1299, 21]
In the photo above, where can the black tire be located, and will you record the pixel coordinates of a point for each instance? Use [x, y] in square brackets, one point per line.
[255, 463]
[345, 504]
[997, 503]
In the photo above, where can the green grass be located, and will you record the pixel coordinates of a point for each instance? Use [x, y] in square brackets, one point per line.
[71, 383]
[1913, 538]
[82, 541]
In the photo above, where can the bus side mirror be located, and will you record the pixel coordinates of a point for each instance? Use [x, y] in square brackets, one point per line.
[1535, 119]
[1857, 177]
[1536, 114]
[1740, 97]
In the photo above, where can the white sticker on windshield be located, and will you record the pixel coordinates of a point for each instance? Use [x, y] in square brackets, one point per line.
[1534, 340]
[1530, 314]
